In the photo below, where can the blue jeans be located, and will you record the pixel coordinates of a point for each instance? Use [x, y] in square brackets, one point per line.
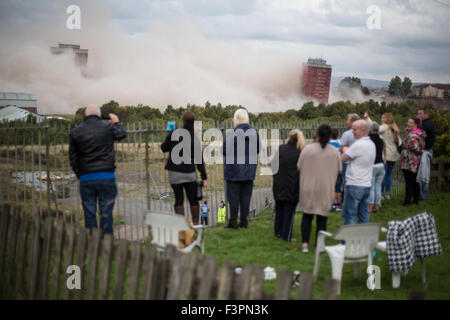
[423, 187]
[105, 192]
[356, 204]
[375, 190]
[387, 181]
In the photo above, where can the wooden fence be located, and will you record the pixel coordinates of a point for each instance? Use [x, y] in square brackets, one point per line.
[35, 253]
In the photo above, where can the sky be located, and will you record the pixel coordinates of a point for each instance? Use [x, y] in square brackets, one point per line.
[235, 52]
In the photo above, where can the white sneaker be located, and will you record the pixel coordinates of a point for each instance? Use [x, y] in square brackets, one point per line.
[305, 249]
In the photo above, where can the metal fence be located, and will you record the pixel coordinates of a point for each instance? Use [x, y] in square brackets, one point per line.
[35, 172]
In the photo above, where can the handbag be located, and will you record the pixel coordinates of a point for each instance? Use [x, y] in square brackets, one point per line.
[199, 193]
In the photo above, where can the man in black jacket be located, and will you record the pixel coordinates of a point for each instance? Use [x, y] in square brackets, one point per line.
[91, 154]
[427, 126]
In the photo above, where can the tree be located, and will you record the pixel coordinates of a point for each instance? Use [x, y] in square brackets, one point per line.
[365, 91]
[406, 86]
[395, 86]
[352, 82]
[308, 111]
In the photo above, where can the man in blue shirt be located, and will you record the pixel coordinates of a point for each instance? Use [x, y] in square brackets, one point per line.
[204, 212]
[91, 154]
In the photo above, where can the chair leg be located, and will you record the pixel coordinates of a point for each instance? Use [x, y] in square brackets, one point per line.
[395, 279]
[424, 279]
[357, 270]
[316, 264]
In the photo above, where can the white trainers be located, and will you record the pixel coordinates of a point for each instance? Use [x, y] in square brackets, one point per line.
[305, 249]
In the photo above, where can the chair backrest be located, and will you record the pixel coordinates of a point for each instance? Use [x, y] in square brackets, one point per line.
[165, 227]
[360, 239]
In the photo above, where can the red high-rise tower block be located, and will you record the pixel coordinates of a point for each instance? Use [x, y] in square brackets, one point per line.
[316, 80]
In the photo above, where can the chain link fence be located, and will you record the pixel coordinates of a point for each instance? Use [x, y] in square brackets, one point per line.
[35, 172]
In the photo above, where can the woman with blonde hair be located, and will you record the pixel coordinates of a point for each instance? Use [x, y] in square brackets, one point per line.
[390, 133]
[286, 183]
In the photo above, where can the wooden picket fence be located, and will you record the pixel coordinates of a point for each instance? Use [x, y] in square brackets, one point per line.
[35, 253]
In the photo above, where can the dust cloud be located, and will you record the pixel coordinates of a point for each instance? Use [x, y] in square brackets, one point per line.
[175, 62]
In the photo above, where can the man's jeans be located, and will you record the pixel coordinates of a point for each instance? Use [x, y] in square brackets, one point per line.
[356, 204]
[239, 194]
[105, 191]
[423, 187]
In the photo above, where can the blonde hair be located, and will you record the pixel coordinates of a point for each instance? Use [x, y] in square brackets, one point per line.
[392, 125]
[354, 117]
[297, 137]
[240, 117]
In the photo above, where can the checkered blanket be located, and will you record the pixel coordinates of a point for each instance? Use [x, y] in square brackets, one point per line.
[415, 237]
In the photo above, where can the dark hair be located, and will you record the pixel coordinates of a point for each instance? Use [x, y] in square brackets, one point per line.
[206, 202]
[324, 134]
[334, 133]
[418, 122]
[426, 110]
[188, 119]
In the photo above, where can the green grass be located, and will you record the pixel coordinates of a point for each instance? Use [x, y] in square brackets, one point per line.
[258, 245]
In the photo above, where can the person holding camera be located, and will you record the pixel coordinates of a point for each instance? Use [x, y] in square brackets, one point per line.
[182, 171]
[91, 153]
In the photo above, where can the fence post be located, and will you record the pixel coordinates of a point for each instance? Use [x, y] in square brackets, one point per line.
[331, 289]
[147, 175]
[47, 162]
[284, 285]
[305, 290]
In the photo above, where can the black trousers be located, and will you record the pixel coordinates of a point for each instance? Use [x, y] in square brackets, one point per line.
[239, 195]
[204, 221]
[412, 190]
[284, 219]
[321, 223]
[191, 190]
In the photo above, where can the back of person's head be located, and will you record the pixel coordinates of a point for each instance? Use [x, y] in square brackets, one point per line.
[324, 135]
[188, 119]
[92, 110]
[334, 133]
[418, 122]
[206, 202]
[297, 138]
[353, 117]
[374, 128]
[240, 117]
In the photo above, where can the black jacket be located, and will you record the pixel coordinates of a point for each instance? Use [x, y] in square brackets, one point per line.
[286, 180]
[168, 145]
[379, 147]
[92, 145]
[428, 127]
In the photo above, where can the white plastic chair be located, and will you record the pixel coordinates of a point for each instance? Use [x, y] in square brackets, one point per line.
[165, 228]
[397, 275]
[360, 241]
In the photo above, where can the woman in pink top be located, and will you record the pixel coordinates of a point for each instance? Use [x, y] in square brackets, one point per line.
[413, 146]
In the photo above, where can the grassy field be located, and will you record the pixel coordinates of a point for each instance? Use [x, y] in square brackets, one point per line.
[258, 245]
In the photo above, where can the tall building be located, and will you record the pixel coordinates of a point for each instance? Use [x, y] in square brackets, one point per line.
[81, 55]
[316, 80]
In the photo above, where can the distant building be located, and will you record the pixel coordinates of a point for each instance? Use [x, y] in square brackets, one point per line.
[440, 91]
[13, 113]
[21, 100]
[316, 80]
[81, 55]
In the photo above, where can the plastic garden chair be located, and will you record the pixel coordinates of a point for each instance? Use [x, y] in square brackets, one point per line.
[165, 228]
[360, 241]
